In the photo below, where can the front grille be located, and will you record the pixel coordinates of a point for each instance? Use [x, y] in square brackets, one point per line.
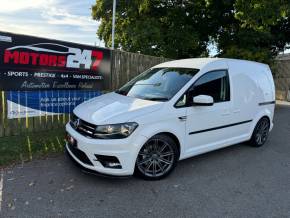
[82, 127]
[80, 154]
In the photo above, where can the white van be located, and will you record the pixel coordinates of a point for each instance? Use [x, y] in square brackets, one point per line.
[173, 111]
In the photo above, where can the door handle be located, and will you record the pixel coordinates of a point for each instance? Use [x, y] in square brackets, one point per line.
[182, 118]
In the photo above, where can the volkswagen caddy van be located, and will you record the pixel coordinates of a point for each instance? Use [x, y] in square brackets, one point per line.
[173, 111]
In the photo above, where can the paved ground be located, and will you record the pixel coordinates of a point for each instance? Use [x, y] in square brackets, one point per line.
[238, 181]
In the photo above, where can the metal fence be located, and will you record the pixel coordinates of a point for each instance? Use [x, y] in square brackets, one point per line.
[10, 127]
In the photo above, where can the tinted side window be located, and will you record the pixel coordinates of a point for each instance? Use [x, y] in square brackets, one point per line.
[215, 84]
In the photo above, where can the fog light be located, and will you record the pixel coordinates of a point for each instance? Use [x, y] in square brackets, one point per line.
[109, 161]
[114, 165]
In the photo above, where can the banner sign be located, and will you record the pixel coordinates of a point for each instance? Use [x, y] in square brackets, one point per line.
[38, 103]
[32, 63]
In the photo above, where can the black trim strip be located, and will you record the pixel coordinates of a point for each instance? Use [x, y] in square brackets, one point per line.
[267, 102]
[220, 127]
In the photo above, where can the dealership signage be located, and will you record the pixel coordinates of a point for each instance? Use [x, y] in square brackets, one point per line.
[46, 77]
[39, 103]
[32, 63]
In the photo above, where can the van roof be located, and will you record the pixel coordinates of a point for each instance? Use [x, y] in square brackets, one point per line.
[199, 63]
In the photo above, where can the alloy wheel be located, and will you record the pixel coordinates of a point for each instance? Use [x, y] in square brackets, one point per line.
[155, 158]
[262, 131]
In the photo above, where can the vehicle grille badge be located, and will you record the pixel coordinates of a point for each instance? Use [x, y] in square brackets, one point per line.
[76, 123]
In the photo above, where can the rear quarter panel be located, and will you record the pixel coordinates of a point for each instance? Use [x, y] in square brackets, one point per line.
[252, 84]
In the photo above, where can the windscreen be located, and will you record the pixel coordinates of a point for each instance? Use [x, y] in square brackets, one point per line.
[158, 84]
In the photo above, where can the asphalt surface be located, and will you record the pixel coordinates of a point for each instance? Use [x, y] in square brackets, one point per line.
[238, 181]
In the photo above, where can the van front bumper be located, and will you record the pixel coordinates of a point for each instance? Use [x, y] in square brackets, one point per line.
[89, 152]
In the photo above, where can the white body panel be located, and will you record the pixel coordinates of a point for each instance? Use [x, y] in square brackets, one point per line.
[252, 96]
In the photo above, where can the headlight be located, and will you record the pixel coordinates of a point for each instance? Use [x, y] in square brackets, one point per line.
[115, 131]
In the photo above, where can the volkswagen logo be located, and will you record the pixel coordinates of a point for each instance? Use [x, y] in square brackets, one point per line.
[76, 123]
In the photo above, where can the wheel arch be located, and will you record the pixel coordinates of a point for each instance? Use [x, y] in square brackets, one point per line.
[258, 118]
[175, 139]
[173, 136]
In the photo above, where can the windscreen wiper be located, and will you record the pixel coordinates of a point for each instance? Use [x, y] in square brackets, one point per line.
[147, 84]
[157, 99]
[118, 91]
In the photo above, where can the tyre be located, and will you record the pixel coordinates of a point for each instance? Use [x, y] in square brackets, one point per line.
[157, 158]
[261, 132]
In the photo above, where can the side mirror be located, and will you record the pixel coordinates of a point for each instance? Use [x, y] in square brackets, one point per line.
[202, 100]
